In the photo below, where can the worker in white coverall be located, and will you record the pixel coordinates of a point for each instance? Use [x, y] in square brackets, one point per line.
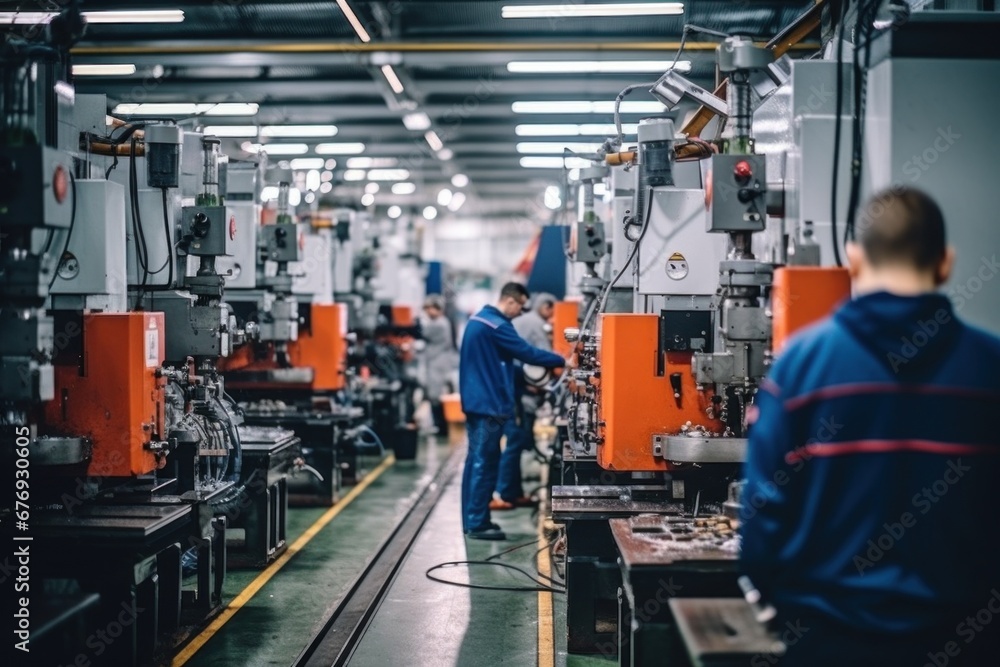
[533, 326]
[440, 359]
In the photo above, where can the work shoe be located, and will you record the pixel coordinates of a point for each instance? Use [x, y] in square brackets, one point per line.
[501, 505]
[523, 501]
[493, 532]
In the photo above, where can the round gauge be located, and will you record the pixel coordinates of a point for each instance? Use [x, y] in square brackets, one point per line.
[676, 267]
[69, 267]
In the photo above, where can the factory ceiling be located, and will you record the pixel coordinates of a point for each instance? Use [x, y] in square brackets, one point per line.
[452, 68]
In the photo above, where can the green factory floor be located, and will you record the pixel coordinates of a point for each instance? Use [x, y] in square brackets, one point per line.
[420, 622]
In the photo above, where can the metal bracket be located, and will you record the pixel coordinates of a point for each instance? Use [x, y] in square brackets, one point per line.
[699, 449]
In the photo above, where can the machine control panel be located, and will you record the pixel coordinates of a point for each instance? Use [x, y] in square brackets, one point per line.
[737, 195]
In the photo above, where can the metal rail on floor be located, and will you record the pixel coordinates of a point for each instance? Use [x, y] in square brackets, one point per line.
[343, 629]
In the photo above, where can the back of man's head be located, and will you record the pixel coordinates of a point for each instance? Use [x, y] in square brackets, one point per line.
[902, 227]
[514, 291]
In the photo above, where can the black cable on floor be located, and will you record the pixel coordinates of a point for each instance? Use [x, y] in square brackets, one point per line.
[540, 587]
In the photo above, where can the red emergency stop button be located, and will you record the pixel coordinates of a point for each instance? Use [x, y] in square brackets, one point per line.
[60, 184]
[743, 171]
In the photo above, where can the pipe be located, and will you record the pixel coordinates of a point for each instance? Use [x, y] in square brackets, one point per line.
[400, 47]
[122, 150]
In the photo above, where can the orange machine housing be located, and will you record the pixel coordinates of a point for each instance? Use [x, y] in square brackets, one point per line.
[803, 295]
[402, 316]
[324, 347]
[114, 397]
[634, 401]
[565, 315]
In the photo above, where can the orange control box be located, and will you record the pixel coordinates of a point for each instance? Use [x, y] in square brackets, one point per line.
[566, 315]
[324, 347]
[114, 397]
[402, 316]
[803, 295]
[635, 402]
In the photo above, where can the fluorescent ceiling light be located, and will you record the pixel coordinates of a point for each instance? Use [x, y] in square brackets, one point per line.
[367, 199]
[444, 197]
[553, 162]
[352, 18]
[595, 66]
[231, 109]
[394, 82]
[187, 109]
[556, 147]
[231, 130]
[298, 131]
[394, 212]
[417, 121]
[326, 187]
[131, 16]
[276, 149]
[573, 130]
[607, 106]
[430, 213]
[403, 188]
[371, 162]
[456, 201]
[340, 149]
[574, 10]
[309, 163]
[355, 175]
[433, 140]
[312, 178]
[103, 70]
[388, 175]
[459, 180]
[371, 188]
[445, 154]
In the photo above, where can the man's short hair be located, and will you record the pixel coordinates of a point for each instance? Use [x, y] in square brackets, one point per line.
[902, 226]
[514, 291]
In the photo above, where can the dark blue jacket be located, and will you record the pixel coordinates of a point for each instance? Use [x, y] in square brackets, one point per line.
[873, 467]
[486, 370]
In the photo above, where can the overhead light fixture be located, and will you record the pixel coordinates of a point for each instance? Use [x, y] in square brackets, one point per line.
[371, 162]
[444, 197]
[459, 180]
[103, 70]
[340, 149]
[394, 82]
[130, 16]
[355, 175]
[298, 131]
[433, 140]
[326, 176]
[231, 130]
[269, 193]
[231, 109]
[430, 213]
[388, 175]
[326, 187]
[573, 130]
[367, 199]
[404, 188]
[352, 18]
[556, 147]
[394, 212]
[312, 179]
[306, 163]
[595, 66]
[573, 10]
[553, 162]
[371, 188]
[330, 163]
[456, 201]
[607, 106]
[445, 154]
[276, 149]
[417, 121]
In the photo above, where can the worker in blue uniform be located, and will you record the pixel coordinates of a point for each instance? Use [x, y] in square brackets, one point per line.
[489, 349]
[873, 462]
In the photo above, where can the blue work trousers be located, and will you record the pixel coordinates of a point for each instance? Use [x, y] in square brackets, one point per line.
[520, 438]
[482, 465]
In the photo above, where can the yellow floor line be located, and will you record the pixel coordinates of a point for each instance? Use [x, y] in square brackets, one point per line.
[237, 603]
[546, 650]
